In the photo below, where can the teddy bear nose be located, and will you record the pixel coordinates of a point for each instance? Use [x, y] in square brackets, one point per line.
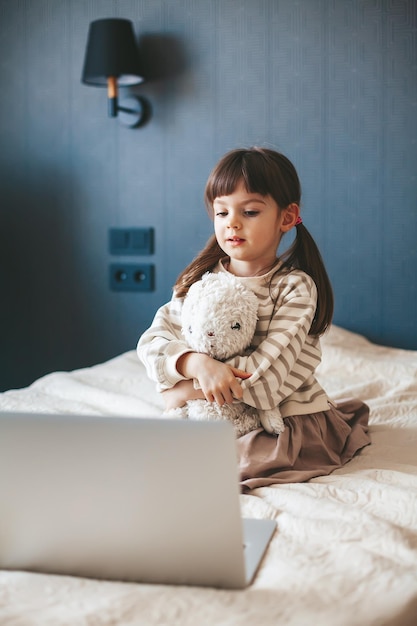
[210, 334]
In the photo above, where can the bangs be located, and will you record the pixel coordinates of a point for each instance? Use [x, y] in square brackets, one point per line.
[260, 172]
[233, 169]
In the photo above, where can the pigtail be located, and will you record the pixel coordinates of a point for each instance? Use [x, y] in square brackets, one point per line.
[204, 262]
[304, 254]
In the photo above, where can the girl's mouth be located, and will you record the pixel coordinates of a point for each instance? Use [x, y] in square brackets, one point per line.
[235, 241]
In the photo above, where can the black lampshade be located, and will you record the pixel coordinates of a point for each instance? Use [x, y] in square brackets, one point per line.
[111, 51]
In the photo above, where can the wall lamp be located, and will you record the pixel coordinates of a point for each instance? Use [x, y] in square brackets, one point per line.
[112, 60]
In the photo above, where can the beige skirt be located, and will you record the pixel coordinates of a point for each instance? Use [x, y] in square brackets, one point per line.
[311, 445]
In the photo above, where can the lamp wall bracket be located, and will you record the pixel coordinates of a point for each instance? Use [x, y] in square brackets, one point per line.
[132, 111]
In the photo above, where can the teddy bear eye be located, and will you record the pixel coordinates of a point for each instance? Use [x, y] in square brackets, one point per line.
[236, 326]
[190, 330]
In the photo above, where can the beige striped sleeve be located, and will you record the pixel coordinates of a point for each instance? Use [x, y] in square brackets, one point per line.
[284, 356]
[160, 347]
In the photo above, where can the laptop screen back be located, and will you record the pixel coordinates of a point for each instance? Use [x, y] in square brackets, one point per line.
[151, 500]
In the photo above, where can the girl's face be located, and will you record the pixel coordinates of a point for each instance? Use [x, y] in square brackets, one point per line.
[248, 228]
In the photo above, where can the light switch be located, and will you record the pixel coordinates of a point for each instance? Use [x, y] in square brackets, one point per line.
[131, 241]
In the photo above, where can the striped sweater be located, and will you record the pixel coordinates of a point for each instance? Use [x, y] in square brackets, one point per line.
[282, 358]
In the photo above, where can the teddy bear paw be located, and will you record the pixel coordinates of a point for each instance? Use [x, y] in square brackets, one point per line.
[272, 421]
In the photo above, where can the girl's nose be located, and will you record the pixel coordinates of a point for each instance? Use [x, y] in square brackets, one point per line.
[233, 221]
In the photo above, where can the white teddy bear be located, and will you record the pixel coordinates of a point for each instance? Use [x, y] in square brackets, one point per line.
[219, 316]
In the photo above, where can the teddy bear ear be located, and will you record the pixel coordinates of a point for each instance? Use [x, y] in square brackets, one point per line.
[197, 286]
[202, 282]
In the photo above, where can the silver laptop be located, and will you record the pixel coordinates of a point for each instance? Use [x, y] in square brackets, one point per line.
[147, 500]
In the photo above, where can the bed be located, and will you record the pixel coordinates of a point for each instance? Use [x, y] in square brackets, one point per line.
[345, 549]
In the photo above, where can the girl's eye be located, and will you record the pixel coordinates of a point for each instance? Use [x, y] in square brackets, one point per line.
[221, 213]
[251, 213]
[236, 326]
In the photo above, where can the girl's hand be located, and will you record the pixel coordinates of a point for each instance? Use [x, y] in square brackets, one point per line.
[218, 381]
[178, 395]
[240, 373]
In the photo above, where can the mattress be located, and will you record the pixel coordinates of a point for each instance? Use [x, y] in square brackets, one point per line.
[345, 549]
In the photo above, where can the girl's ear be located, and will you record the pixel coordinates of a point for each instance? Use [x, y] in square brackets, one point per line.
[290, 216]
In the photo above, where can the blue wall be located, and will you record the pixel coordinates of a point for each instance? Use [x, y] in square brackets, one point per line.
[330, 83]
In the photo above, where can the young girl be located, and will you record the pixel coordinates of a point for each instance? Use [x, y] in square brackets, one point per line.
[253, 196]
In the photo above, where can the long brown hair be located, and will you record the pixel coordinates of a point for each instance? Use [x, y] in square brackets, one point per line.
[266, 172]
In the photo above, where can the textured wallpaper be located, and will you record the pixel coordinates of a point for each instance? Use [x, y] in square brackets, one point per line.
[331, 83]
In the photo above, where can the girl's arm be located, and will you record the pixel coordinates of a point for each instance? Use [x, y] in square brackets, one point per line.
[168, 361]
[287, 357]
[218, 381]
[186, 390]
[162, 344]
[178, 395]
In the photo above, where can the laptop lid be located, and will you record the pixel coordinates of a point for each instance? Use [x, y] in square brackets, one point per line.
[149, 500]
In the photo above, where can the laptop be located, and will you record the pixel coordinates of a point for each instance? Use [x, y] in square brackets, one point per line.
[130, 499]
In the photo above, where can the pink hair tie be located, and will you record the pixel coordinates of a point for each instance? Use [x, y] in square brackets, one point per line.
[299, 221]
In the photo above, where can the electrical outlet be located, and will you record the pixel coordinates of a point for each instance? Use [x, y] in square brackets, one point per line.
[131, 241]
[131, 277]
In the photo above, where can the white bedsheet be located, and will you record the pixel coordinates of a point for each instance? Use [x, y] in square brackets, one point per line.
[345, 551]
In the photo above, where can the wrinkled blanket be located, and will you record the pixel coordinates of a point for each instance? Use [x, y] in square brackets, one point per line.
[345, 549]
